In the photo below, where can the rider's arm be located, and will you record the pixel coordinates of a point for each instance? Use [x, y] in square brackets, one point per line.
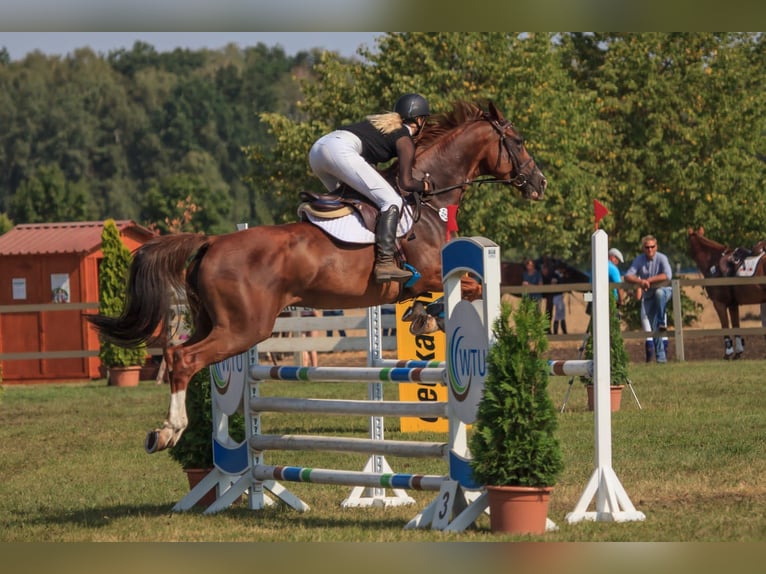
[405, 149]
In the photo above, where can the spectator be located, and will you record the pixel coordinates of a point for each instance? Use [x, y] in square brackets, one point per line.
[615, 258]
[334, 313]
[388, 309]
[309, 358]
[646, 270]
[532, 276]
[559, 311]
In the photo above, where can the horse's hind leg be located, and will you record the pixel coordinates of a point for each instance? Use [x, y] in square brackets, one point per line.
[176, 420]
[188, 359]
[739, 342]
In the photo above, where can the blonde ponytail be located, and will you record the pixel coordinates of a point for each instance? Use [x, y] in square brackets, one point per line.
[386, 123]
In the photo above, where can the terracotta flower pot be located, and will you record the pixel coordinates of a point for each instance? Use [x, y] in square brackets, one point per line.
[615, 395]
[518, 509]
[195, 475]
[124, 376]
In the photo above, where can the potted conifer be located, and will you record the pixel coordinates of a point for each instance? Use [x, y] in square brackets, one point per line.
[618, 359]
[514, 450]
[123, 365]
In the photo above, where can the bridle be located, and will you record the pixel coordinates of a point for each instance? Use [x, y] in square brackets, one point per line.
[519, 181]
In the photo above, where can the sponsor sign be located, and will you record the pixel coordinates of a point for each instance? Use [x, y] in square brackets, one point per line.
[430, 347]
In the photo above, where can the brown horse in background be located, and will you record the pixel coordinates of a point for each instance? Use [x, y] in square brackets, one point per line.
[713, 259]
[238, 283]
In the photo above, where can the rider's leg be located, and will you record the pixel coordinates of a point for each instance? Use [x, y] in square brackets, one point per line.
[385, 236]
[337, 156]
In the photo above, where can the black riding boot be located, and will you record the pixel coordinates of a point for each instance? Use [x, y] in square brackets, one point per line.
[385, 237]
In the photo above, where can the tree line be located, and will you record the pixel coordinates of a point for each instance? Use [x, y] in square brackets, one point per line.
[666, 129]
[138, 134]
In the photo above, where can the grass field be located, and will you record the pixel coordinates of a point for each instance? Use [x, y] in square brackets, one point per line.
[692, 460]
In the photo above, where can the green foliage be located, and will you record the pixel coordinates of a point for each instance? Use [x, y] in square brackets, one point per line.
[48, 196]
[513, 441]
[113, 126]
[5, 223]
[618, 356]
[665, 129]
[668, 130]
[195, 448]
[112, 275]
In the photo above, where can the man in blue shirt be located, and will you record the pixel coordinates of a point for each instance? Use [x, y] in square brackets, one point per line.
[648, 269]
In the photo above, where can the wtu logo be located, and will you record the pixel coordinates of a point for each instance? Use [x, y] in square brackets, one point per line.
[467, 349]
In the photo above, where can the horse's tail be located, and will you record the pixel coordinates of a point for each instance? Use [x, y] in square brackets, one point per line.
[157, 271]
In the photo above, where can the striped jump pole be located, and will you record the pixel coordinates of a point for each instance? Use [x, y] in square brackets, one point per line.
[349, 478]
[355, 374]
[375, 407]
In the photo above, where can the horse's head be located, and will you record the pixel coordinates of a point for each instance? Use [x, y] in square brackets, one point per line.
[513, 162]
[710, 256]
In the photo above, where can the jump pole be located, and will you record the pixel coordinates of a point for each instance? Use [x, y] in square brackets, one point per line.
[612, 502]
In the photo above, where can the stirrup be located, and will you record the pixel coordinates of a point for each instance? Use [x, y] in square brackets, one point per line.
[389, 272]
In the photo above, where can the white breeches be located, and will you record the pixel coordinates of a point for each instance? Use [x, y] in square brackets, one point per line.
[336, 157]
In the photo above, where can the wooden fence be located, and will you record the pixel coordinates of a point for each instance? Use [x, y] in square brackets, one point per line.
[354, 323]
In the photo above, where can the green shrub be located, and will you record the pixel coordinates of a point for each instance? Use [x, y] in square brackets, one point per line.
[112, 276]
[618, 356]
[513, 441]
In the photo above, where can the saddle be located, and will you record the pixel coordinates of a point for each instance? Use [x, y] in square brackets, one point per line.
[341, 203]
[741, 260]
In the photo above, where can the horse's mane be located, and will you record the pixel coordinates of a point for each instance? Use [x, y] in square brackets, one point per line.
[439, 124]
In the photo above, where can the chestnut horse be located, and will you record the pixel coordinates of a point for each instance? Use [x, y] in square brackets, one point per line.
[711, 258]
[238, 283]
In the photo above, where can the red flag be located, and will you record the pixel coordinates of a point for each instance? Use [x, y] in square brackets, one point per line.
[451, 220]
[599, 210]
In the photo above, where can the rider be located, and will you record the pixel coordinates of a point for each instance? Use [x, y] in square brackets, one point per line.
[350, 154]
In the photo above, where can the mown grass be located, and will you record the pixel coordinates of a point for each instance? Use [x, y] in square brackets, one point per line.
[692, 460]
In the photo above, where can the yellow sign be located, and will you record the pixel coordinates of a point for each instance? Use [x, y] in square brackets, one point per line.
[431, 347]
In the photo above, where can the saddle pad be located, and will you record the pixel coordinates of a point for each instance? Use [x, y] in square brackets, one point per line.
[747, 269]
[350, 228]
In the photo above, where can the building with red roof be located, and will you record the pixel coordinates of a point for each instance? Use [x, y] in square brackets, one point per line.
[42, 266]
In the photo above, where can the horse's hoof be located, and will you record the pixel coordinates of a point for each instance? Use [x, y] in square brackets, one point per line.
[153, 442]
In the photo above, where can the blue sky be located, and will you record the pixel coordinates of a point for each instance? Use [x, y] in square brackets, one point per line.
[19, 44]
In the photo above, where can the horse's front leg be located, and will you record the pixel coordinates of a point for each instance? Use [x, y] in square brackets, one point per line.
[723, 317]
[739, 346]
[176, 420]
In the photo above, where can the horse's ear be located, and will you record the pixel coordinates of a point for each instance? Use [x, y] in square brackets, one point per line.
[494, 112]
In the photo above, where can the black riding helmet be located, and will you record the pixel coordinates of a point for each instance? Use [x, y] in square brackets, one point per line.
[411, 106]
